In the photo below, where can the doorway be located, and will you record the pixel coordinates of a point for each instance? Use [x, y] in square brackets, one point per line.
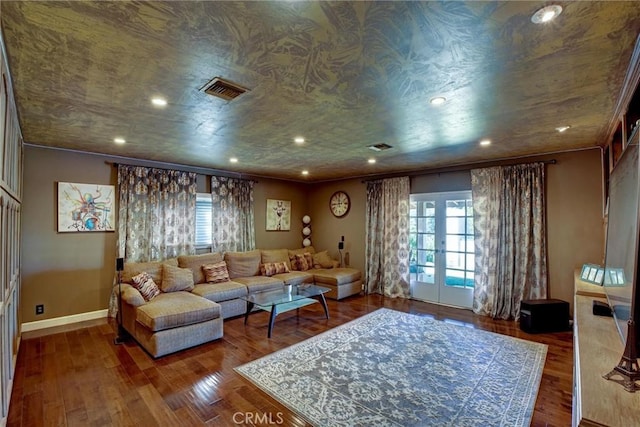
[441, 240]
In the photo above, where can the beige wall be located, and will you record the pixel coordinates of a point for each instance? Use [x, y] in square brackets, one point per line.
[327, 230]
[575, 230]
[575, 233]
[72, 273]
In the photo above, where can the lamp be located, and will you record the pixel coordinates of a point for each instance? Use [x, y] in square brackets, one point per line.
[306, 231]
[122, 334]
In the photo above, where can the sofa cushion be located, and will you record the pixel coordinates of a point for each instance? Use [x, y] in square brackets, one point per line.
[195, 263]
[276, 255]
[271, 268]
[170, 310]
[220, 292]
[176, 279]
[243, 264]
[295, 277]
[260, 283]
[216, 273]
[336, 276]
[153, 268]
[322, 260]
[145, 285]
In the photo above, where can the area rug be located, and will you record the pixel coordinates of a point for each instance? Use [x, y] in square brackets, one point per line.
[390, 368]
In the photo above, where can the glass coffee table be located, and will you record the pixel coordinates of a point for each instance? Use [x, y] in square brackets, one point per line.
[286, 299]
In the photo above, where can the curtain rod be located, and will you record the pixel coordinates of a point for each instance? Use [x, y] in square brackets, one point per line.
[451, 169]
[183, 168]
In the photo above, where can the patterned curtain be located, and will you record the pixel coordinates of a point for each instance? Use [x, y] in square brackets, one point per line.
[156, 217]
[510, 238]
[387, 237]
[232, 216]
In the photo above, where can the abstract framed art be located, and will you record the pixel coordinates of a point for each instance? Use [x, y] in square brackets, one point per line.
[278, 215]
[85, 207]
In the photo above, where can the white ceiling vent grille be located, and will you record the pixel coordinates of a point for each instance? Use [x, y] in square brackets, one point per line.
[379, 147]
[224, 89]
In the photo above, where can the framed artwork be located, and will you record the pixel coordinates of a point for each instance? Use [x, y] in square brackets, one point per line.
[614, 277]
[278, 215]
[85, 207]
[592, 273]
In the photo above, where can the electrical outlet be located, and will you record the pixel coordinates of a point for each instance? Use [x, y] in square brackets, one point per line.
[40, 309]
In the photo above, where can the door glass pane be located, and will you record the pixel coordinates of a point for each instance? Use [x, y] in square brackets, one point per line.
[426, 275]
[454, 277]
[470, 244]
[429, 208]
[427, 241]
[455, 225]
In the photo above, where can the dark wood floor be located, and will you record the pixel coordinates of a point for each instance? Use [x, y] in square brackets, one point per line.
[78, 377]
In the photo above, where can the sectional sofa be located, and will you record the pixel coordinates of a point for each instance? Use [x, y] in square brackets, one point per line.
[181, 302]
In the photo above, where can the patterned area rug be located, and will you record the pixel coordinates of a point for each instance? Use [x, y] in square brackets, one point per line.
[390, 368]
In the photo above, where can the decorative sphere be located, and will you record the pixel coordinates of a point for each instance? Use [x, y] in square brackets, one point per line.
[306, 219]
[306, 231]
[306, 242]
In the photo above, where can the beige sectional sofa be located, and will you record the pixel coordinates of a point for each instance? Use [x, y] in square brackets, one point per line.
[194, 300]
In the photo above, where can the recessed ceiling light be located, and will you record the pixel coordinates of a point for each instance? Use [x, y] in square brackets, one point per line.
[438, 100]
[305, 172]
[563, 128]
[298, 140]
[159, 102]
[371, 161]
[485, 142]
[546, 14]
[119, 140]
[233, 160]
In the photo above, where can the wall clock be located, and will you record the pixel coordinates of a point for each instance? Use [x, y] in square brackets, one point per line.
[339, 204]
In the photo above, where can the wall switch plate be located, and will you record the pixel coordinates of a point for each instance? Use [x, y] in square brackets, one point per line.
[40, 309]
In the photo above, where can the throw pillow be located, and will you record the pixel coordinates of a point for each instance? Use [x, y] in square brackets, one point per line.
[216, 272]
[304, 261]
[146, 286]
[294, 252]
[176, 279]
[271, 268]
[322, 260]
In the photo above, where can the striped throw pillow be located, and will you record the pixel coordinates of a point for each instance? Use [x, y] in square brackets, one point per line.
[216, 273]
[271, 268]
[145, 285]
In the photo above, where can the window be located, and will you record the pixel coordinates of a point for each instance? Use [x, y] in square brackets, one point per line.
[204, 206]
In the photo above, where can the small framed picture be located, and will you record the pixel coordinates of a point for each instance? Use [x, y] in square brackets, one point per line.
[592, 273]
[614, 277]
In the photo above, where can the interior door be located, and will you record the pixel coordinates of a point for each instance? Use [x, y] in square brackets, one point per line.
[442, 248]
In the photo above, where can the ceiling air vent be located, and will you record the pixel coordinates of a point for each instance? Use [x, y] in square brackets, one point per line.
[379, 147]
[224, 89]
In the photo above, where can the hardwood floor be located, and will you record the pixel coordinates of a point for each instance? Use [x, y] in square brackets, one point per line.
[78, 377]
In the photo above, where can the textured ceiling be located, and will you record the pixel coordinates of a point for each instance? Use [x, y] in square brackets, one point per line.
[345, 75]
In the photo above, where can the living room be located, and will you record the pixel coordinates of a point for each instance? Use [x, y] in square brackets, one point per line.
[71, 275]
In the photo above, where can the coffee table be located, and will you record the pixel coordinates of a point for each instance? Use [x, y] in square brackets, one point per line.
[286, 299]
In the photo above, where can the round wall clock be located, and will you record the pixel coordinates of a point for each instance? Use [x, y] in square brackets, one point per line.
[339, 204]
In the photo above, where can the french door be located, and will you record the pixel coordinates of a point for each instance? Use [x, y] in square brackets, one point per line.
[442, 248]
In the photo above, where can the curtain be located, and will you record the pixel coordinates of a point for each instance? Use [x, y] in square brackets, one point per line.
[510, 238]
[156, 215]
[232, 216]
[387, 237]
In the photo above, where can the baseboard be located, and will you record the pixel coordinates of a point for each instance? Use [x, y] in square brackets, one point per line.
[64, 320]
